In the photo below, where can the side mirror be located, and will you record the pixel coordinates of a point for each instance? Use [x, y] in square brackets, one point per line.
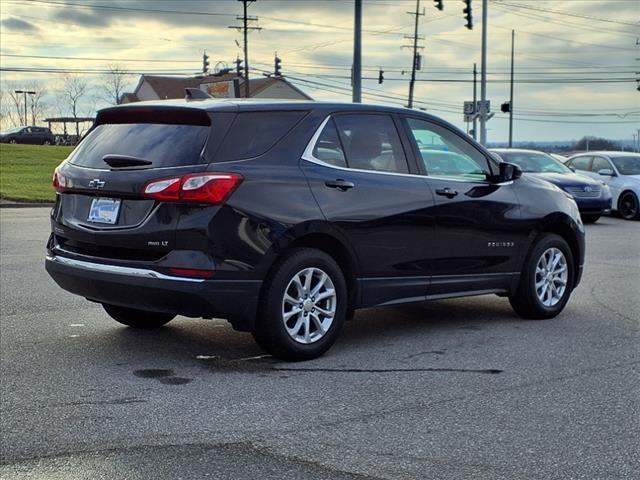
[607, 172]
[573, 169]
[508, 172]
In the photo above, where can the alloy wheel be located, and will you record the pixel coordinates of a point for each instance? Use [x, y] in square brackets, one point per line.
[628, 208]
[551, 277]
[309, 305]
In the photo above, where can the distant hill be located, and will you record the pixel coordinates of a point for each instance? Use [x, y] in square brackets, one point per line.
[556, 145]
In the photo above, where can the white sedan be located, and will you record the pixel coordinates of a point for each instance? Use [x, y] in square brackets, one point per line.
[619, 170]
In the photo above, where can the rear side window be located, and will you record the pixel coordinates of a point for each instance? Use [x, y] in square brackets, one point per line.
[371, 142]
[328, 147]
[164, 145]
[254, 133]
[581, 163]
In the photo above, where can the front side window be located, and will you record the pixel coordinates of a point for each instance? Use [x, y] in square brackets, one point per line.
[371, 142]
[445, 154]
[627, 165]
[581, 163]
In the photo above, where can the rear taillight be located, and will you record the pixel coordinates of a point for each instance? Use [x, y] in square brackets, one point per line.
[212, 188]
[59, 181]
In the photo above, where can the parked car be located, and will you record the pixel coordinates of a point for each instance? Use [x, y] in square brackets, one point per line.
[620, 171]
[33, 135]
[593, 197]
[285, 217]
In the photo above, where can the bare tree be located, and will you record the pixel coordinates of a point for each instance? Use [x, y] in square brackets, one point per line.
[12, 107]
[74, 89]
[115, 82]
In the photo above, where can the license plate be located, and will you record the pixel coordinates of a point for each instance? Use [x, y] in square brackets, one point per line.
[104, 210]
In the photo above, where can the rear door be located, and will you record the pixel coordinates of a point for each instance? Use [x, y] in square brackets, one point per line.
[101, 211]
[477, 238]
[359, 174]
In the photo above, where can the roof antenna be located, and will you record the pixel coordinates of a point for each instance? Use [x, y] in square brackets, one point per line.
[195, 94]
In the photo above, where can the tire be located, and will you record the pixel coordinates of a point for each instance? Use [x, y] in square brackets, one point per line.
[300, 337]
[137, 318]
[628, 207]
[545, 302]
[590, 217]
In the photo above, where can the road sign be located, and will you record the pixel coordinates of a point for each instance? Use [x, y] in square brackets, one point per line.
[469, 108]
[483, 107]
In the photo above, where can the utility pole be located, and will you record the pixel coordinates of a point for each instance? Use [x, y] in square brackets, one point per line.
[25, 92]
[634, 143]
[475, 101]
[483, 77]
[415, 47]
[513, 33]
[638, 150]
[245, 29]
[357, 53]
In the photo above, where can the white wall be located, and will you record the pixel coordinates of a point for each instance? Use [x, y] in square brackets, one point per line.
[145, 92]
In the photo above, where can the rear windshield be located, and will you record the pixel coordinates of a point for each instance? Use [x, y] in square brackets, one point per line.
[163, 145]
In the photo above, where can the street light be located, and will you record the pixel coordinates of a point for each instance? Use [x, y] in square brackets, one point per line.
[25, 92]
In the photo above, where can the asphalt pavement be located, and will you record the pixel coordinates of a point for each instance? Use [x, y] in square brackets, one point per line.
[450, 389]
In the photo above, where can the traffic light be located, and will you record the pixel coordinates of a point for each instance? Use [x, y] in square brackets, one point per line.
[381, 76]
[418, 61]
[205, 62]
[438, 4]
[239, 67]
[468, 15]
[505, 107]
[277, 66]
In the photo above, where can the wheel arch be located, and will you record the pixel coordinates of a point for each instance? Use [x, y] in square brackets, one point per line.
[571, 233]
[320, 236]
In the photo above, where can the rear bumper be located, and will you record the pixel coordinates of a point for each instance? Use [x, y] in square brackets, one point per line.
[145, 289]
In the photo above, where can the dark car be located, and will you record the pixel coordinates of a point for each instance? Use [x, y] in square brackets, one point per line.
[285, 217]
[32, 135]
[592, 196]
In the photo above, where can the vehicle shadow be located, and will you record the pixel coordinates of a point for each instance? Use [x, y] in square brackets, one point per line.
[190, 340]
[427, 318]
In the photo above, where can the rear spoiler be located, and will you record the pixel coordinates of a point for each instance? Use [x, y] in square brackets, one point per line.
[195, 94]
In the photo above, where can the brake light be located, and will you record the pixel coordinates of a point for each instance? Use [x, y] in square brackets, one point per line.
[212, 188]
[59, 181]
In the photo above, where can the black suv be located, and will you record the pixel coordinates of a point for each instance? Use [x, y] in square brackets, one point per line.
[32, 135]
[285, 217]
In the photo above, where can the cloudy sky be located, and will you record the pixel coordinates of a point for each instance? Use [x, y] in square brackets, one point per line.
[576, 60]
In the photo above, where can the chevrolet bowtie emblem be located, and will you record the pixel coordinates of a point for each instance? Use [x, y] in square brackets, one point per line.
[96, 183]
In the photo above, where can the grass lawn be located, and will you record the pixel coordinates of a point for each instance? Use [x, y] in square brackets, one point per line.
[26, 171]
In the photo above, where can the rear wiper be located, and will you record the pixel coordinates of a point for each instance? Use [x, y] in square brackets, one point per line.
[120, 161]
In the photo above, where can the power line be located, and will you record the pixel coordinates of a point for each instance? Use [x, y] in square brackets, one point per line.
[564, 12]
[148, 60]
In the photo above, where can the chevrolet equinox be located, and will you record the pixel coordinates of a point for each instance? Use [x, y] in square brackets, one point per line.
[284, 217]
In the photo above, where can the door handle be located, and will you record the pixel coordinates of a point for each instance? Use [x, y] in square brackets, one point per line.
[342, 185]
[446, 192]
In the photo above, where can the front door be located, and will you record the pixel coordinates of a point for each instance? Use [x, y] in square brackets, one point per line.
[477, 243]
[359, 175]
